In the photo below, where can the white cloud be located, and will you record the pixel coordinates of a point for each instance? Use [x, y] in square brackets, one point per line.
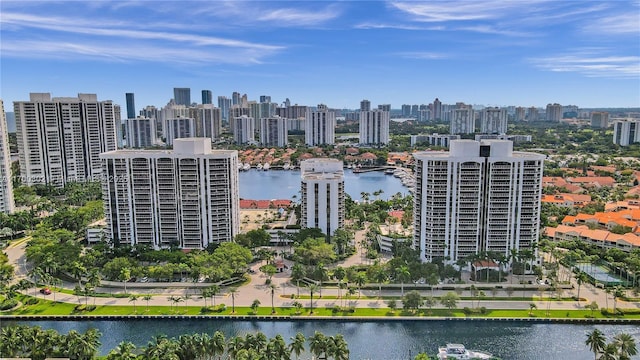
[251, 13]
[369, 25]
[616, 24]
[592, 63]
[437, 11]
[423, 55]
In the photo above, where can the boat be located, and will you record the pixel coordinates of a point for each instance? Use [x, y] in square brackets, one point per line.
[246, 166]
[389, 172]
[266, 166]
[398, 173]
[259, 167]
[458, 351]
[239, 166]
[286, 166]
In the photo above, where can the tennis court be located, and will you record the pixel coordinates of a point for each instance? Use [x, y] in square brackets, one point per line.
[600, 274]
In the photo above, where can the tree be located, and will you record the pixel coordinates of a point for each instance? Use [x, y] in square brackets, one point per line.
[593, 307]
[450, 300]
[298, 273]
[147, 298]
[297, 344]
[617, 293]
[361, 279]
[626, 345]
[269, 270]
[124, 351]
[412, 301]
[125, 275]
[312, 288]
[580, 278]
[380, 276]
[254, 306]
[318, 344]
[609, 352]
[402, 274]
[217, 344]
[532, 306]
[133, 298]
[392, 304]
[213, 291]
[596, 342]
[233, 291]
[272, 289]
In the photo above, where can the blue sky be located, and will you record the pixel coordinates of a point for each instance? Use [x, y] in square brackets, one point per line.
[526, 52]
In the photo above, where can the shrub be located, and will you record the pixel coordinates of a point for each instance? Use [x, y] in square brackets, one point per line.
[31, 301]
[8, 304]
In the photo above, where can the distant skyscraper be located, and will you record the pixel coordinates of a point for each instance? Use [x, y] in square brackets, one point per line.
[365, 105]
[287, 102]
[60, 139]
[6, 187]
[207, 97]
[236, 98]
[131, 106]
[385, 107]
[320, 126]
[533, 114]
[140, 132]
[478, 197]
[208, 121]
[406, 110]
[462, 121]
[437, 109]
[554, 112]
[520, 113]
[424, 115]
[265, 98]
[185, 197]
[322, 194]
[374, 127]
[182, 96]
[626, 132]
[414, 111]
[599, 119]
[178, 128]
[273, 132]
[224, 104]
[493, 120]
[243, 129]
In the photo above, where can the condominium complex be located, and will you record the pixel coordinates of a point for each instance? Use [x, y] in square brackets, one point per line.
[626, 132]
[178, 128]
[6, 186]
[273, 131]
[140, 132]
[182, 96]
[554, 112]
[374, 127]
[462, 121]
[599, 119]
[320, 126]
[433, 139]
[60, 139]
[243, 128]
[493, 120]
[322, 193]
[186, 197]
[479, 196]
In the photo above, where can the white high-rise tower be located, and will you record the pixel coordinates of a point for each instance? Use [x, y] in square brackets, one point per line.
[322, 194]
[374, 127]
[320, 126]
[6, 186]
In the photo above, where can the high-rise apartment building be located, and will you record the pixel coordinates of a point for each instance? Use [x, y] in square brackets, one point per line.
[60, 139]
[140, 132]
[374, 127]
[236, 98]
[626, 132]
[479, 196]
[322, 194]
[224, 104]
[462, 121]
[365, 105]
[493, 120]
[520, 113]
[554, 112]
[405, 110]
[441, 140]
[186, 197]
[599, 119]
[131, 105]
[208, 121]
[437, 109]
[182, 96]
[273, 131]
[320, 126]
[265, 98]
[533, 114]
[207, 97]
[414, 111]
[243, 129]
[178, 128]
[7, 204]
[384, 107]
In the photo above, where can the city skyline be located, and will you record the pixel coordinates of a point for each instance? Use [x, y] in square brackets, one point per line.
[336, 53]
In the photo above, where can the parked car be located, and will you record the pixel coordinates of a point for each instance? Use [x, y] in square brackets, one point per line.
[45, 291]
[144, 279]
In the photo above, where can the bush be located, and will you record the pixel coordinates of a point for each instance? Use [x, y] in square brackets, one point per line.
[8, 304]
[31, 301]
[293, 296]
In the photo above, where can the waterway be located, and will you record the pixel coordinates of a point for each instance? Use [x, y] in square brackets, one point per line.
[375, 340]
[283, 184]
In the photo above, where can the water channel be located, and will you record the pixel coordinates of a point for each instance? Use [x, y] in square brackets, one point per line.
[375, 340]
[283, 184]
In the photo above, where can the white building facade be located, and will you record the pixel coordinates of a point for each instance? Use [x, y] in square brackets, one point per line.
[186, 197]
[7, 204]
[441, 140]
[626, 132]
[243, 129]
[320, 126]
[61, 139]
[479, 196]
[462, 121]
[140, 132]
[374, 127]
[493, 120]
[273, 131]
[322, 191]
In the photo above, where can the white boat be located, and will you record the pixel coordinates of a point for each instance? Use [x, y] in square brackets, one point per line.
[286, 166]
[239, 166]
[458, 351]
[266, 166]
[259, 167]
[246, 166]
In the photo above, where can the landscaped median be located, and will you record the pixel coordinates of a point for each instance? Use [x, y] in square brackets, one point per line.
[45, 308]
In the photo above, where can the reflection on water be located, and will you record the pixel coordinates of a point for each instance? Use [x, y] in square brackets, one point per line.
[376, 340]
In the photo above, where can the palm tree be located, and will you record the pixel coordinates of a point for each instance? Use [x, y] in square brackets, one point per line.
[340, 348]
[580, 278]
[596, 342]
[402, 274]
[124, 351]
[125, 275]
[617, 293]
[272, 289]
[214, 289]
[254, 306]
[234, 345]
[318, 344]
[626, 345]
[133, 298]
[147, 298]
[380, 276]
[532, 306]
[609, 352]
[361, 279]
[217, 343]
[233, 291]
[297, 344]
[312, 288]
